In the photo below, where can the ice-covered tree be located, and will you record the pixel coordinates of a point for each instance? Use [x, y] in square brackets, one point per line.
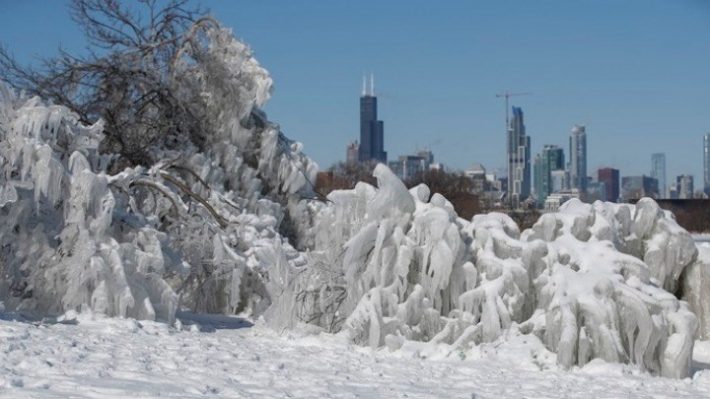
[194, 219]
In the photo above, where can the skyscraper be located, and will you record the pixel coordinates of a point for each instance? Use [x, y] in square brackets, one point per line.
[658, 172]
[372, 146]
[540, 179]
[706, 159]
[684, 186]
[551, 159]
[578, 158]
[351, 155]
[518, 159]
[560, 180]
[610, 178]
[637, 187]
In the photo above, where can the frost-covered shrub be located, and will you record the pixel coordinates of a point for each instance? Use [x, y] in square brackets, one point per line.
[590, 281]
[60, 247]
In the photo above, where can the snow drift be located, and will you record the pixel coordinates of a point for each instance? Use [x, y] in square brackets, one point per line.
[217, 230]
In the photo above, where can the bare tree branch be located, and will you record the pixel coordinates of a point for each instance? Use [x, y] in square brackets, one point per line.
[126, 78]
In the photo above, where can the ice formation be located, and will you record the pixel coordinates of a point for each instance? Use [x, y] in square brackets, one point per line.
[233, 228]
[591, 281]
[198, 229]
[695, 289]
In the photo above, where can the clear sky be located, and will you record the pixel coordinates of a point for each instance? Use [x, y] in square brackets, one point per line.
[635, 72]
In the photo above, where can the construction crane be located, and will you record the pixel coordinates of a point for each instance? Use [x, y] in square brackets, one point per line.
[507, 95]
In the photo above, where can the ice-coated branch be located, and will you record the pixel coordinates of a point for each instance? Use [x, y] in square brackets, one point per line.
[186, 190]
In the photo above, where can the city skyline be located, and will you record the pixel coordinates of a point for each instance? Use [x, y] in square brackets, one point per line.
[636, 77]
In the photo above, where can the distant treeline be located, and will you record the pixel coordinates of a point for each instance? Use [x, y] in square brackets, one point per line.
[692, 214]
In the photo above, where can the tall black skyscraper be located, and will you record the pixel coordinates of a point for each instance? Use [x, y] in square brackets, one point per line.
[372, 146]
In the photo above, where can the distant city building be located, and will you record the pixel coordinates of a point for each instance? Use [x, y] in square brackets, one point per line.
[560, 180]
[427, 156]
[551, 159]
[438, 166]
[658, 172]
[553, 201]
[408, 166]
[610, 178]
[477, 174]
[475, 170]
[503, 183]
[636, 187]
[706, 162]
[541, 179]
[596, 191]
[578, 158]
[518, 160]
[351, 155]
[372, 146]
[684, 186]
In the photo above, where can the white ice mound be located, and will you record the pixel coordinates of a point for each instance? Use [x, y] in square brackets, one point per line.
[696, 289]
[588, 281]
[601, 303]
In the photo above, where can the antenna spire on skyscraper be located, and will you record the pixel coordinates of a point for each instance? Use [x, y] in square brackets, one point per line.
[364, 84]
[372, 84]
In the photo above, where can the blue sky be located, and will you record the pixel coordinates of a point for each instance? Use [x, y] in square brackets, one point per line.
[636, 72]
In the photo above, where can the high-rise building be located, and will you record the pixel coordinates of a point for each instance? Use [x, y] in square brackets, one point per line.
[408, 166]
[372, 133]
[551, 159]
[578, 158]
[684, 186]
[596, 191]
[351, 156]
[706, 159]
[540, 179]
[427, 156]
[560, 180]
[658, 172]
[477, 174]
[610, 178]
[636, 187]
[518, 159]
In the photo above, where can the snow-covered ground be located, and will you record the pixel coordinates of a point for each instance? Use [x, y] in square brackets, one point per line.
[217, 356]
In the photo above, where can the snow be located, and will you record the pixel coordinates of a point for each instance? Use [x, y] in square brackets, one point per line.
[219, 356]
